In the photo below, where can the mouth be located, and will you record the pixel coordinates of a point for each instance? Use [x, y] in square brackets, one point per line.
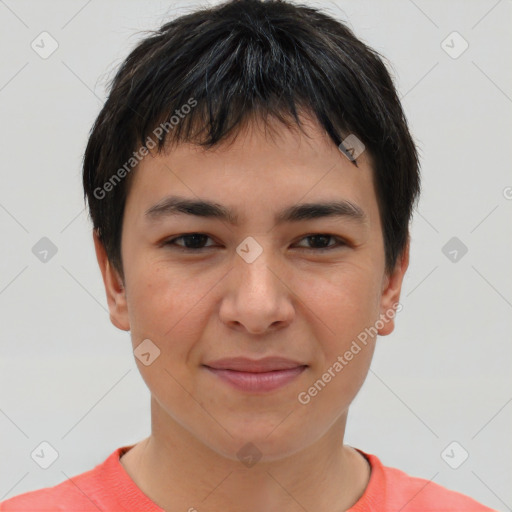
[256, 376]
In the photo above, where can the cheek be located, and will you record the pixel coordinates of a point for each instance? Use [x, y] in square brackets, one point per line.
[165, 305]
[344, 306]
[166, 308]
[347, 308]
[332, 388]
[345, 299]
[160, 297]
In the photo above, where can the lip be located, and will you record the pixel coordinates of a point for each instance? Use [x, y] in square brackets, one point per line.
[256, 376]
[244, 364]
[257, 382]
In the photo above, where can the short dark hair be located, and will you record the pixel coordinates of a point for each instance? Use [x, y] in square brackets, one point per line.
[241, 60]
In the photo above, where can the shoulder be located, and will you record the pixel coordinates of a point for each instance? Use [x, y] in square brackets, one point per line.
[392, 489]
[80, 493]
[63, 496]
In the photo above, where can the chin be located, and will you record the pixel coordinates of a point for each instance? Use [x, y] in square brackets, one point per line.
[259, 441]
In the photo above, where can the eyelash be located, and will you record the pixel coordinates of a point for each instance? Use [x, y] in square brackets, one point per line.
[339, 243]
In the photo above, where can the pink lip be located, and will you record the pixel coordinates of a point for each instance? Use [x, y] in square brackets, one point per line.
[256, 375]
[257, 381]
[244, 364]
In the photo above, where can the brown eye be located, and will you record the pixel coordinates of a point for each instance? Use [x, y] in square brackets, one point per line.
[192, 242]
[320, 242]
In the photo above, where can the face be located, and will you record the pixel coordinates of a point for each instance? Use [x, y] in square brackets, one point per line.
[257, 284]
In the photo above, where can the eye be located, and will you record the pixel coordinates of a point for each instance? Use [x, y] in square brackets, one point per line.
[192, 242]
[195, 242]
[322, 240]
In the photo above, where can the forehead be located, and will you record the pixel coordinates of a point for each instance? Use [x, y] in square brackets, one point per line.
[256, 174]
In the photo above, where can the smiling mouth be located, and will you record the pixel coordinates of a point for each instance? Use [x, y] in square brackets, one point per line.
[257, 381]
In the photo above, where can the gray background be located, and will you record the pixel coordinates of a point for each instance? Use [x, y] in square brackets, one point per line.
[68, 377]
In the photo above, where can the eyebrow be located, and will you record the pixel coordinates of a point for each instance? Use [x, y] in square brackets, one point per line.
[176, 205]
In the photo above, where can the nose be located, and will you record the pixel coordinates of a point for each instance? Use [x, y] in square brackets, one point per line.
[257, 298]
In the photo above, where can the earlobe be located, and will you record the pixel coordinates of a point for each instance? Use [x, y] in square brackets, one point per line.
[114, 287]
[390, 298]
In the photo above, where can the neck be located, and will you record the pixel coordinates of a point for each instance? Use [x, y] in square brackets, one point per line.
[179, 472]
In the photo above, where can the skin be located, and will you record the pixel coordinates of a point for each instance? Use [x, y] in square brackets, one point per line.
[293, 300]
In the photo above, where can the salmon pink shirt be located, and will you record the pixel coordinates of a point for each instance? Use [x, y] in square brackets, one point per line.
[108, 487]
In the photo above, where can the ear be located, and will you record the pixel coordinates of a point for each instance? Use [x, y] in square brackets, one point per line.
[116, 293]
[391, 288]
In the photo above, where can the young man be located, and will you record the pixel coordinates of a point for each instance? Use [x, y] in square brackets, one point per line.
[250, 179]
